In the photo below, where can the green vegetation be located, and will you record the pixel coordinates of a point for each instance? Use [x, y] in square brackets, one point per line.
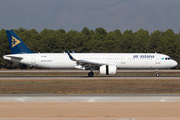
[98, 41]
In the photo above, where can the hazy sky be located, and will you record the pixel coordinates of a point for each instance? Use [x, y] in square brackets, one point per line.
[150, 15]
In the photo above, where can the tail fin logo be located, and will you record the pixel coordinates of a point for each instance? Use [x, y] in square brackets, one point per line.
[15, 41]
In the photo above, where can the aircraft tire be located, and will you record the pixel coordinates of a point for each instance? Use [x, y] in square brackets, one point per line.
[90, 74]
[157, 75]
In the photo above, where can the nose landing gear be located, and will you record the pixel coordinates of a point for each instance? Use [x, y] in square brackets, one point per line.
[157, 73]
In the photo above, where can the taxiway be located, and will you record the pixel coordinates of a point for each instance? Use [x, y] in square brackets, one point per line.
[75, 70]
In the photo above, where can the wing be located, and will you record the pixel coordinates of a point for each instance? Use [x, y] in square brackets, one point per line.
[85, 63]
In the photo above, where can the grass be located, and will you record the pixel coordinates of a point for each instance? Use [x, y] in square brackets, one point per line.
[94, 86]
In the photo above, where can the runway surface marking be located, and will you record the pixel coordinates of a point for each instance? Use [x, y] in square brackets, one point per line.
[89, 107]
[89, 98]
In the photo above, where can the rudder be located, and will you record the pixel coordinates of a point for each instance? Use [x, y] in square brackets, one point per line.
[17, 46]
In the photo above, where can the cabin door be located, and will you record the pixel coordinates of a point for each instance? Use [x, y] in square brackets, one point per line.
[158, 59]
[123, 60]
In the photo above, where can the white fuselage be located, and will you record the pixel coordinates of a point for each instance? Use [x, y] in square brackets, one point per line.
[122, 60]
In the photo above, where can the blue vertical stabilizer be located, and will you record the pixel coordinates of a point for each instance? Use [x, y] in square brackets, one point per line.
[17, 46]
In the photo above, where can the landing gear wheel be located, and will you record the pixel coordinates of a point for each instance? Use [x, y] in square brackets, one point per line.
[90, 74]
[157, 75]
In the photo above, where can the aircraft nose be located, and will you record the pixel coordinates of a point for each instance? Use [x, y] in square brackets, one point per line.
[174, 63]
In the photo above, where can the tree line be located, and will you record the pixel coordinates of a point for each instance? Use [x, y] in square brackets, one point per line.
[93, 41]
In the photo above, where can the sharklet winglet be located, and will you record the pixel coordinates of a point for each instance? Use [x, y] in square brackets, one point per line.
[70, 56]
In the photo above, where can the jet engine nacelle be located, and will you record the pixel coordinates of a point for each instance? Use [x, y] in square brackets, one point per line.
[108, 70]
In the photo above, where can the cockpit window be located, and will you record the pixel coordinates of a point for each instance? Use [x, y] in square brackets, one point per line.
[168, 58]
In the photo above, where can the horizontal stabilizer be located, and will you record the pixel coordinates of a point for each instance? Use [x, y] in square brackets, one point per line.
[12, 57]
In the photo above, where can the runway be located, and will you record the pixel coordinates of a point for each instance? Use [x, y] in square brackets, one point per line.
[82, 74]
[75, 70]
[86, 78]
[90, 98]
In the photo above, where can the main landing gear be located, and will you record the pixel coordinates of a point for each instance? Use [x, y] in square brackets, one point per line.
[157, 73]
[90, 74]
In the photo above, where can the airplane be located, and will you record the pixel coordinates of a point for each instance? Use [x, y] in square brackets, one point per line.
[105, 63]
